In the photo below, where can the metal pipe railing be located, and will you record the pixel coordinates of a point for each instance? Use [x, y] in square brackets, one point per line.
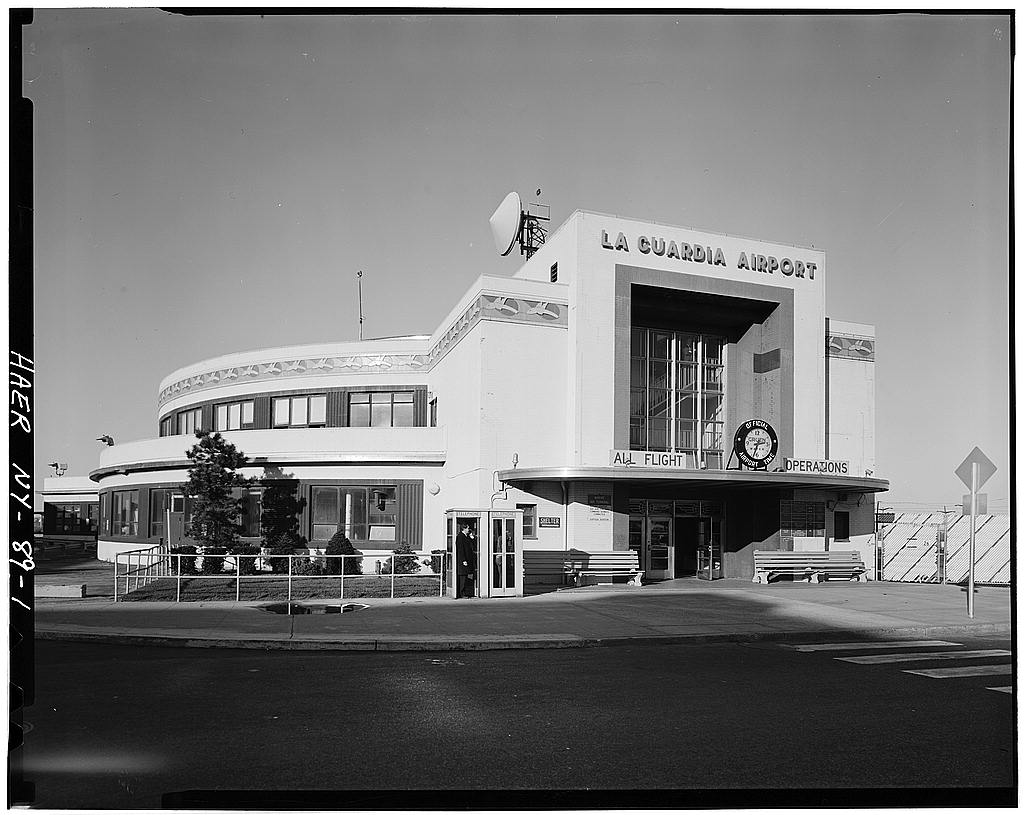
[143, 567]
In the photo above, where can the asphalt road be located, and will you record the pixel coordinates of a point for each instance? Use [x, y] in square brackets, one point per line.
[120, 726]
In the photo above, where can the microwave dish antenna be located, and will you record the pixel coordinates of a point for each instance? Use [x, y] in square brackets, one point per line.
[505, 223]
[511, 224]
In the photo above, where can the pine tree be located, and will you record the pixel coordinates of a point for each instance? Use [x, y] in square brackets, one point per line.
[281, 510]
[339, 544]
[212, 482]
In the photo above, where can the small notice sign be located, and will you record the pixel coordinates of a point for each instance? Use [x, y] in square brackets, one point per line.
[982, 504]
[550, 522]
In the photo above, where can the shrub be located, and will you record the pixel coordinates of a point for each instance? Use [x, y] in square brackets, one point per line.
[185, 565]
[246, 565]
[437, 560]
[339, 544]
[286, 544]
[213, 559]
[310, 567]
[403, 565]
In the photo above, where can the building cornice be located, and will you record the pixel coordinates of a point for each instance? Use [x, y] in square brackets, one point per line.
[487, 306]
[283, 460]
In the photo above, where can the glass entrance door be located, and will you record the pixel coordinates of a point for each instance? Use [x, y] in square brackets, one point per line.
[659, 552]
[502, 561]
[709, 548]
[462, 557]
[650, 536]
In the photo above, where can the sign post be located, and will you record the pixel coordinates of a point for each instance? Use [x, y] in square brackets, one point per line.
[974, 471]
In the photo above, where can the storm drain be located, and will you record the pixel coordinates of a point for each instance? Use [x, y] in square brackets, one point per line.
[319, 608]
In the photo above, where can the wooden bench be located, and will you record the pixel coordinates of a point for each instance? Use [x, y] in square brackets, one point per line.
[48, 546]
[580, 565]
[543, 567]
[811, 565]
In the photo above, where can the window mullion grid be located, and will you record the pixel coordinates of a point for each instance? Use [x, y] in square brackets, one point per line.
[700, 399]
[722, 391]
[649, 363]
[672, 382]
[646, 356]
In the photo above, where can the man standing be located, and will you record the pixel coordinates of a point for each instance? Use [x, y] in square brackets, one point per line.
[464, 561]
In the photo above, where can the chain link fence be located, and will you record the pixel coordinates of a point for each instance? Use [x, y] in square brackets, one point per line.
[934, 547]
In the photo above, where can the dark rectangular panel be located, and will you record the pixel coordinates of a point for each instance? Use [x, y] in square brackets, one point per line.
[49, 519]
[337, 408]
[768, 361]
[410, 512]
[419, 407]
[261, 413]
[143, 529]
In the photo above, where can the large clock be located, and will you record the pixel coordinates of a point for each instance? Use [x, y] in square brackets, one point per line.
[756, 444]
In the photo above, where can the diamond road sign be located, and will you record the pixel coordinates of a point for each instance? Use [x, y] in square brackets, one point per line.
[985, 468]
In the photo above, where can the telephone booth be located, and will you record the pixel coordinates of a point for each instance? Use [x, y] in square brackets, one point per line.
[484, 552]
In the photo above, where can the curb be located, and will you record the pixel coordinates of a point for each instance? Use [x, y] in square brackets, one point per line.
[351, 644]
[488, 643]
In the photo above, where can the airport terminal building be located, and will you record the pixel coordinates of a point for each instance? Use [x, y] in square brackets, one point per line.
[633, 385]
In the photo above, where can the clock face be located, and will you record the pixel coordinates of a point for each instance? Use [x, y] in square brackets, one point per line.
[756, 444]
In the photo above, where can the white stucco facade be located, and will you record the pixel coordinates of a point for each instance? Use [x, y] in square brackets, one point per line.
[523, 391]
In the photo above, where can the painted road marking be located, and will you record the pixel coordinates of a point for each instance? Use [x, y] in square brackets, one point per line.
[1007, 689]
[879, 659]
[973, 670]
[865, 646]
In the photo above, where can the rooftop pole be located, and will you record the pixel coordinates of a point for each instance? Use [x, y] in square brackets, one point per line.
[359, 280]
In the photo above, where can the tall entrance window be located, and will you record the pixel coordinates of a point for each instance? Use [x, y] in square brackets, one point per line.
[677, 394]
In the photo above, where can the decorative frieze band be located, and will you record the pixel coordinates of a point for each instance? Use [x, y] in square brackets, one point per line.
[850, 346]
[485, 307]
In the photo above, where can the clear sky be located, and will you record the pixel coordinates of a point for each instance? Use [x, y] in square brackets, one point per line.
[209, 185]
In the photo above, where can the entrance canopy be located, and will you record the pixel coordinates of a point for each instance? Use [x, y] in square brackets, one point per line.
[697, 478]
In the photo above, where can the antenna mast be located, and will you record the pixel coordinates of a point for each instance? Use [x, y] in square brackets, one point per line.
[359, 281]
[531, 233]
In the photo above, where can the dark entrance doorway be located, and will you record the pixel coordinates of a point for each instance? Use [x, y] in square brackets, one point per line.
[689, 537]
[699, 539]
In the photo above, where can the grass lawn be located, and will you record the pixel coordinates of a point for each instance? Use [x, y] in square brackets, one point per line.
[276, 588]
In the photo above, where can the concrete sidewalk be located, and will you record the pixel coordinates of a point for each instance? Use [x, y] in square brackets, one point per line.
[673, 611]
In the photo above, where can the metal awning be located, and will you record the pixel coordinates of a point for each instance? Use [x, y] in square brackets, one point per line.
[748, 479]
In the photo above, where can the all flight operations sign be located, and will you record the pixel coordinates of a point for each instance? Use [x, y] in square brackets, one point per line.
[647, 458]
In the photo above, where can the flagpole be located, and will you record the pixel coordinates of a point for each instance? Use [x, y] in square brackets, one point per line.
[974, 516]
[359, 279]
